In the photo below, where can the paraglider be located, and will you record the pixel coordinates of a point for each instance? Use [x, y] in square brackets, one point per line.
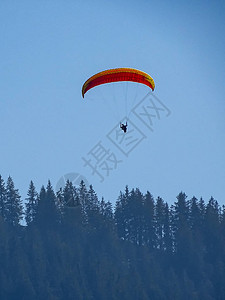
[116, 75]
[119, 74]
[123, 127]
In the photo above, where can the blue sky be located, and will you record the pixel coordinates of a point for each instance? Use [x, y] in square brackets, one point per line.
[49, 48]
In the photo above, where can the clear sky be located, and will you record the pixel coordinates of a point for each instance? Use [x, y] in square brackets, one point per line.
[47, 51]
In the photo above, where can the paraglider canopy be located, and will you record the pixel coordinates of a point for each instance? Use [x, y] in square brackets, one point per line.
[118, 74]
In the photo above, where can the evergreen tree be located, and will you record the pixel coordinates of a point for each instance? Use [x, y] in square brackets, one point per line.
[222, 230]
[159, 222]
[196, 221]
[181, 230]
[167, 239]
[51, 200]
[13, 204]
[202, 208]
[120, 214]
[212, 232]
[70, 196]
[135, 217]
[107, 218]
[47, 214]
[60, 203]
[149, 236]
[66, 200]
[41, 208]
[31, 205]
[106, 209]
[76, 260]
[93, 203]
[129, 216]
[3, 211]
[84, 201]
[93, 208]
[71, 212]
[195, 218]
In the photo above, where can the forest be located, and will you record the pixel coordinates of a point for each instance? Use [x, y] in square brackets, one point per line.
[69, 244]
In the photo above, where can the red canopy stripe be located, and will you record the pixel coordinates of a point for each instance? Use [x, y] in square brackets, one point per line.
[115, 75]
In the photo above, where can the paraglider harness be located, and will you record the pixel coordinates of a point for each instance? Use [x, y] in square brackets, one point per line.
[123, 127]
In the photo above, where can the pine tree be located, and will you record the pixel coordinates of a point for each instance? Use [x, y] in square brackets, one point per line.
[73, 261]
[31, 205]
[106, 213]
[83, 198]
[167, 239]
[106, 209]
[212, 226]
[93, 208]
[41, 216]
[70, 196]
[182, 233]
[222, 229]
[135, 217]
[13, 204]
[71, 214]
[129, 216]
[159, 222]
[51, 200]
[149, 236]
[196, 222]
[3, 212]
[60, 202]
[47, 214]
[120, 214]
[93, 203]
[195, 214]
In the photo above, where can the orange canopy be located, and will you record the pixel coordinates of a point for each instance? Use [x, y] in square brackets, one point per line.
[119, 74]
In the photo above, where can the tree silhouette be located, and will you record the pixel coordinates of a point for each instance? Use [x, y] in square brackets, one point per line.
[13, 204]
[31, 205]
